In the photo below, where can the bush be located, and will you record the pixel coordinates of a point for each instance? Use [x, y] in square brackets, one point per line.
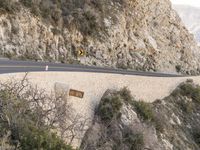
[158, 123]
[126, 95]
[196, 136]
[109, 108]
[89, 25]
[178, 68]
[27, 3]
[186, 107]
[135, 141]
[34, 138]
[122, 65]
[190, 91]
[8, 6]
[144, 110]
[56, 31]
[25, 122]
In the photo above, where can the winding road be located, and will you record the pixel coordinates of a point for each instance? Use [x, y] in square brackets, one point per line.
[13, 66]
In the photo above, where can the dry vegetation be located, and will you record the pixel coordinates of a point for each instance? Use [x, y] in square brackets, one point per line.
[57, 13]
[32, 119]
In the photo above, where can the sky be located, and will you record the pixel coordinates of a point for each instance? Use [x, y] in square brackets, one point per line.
[195, 3]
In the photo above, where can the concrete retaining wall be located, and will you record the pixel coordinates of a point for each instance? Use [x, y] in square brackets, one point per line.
[95, 84]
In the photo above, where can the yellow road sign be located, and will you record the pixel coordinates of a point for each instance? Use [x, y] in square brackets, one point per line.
[81, 52]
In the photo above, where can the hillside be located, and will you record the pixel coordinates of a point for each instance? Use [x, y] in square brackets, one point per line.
[141, 34]
[121, 123]
[191, 18]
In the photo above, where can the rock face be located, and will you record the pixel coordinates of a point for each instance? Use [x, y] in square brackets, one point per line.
[117, 126]
[168, 124]
[142, 35]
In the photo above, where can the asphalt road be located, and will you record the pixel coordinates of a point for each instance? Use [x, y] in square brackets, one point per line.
[12, 66]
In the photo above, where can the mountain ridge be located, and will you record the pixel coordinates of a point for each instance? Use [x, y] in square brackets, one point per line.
[138, 35]
[190, 16]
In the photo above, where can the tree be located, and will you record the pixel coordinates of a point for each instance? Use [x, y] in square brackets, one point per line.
[31, 118]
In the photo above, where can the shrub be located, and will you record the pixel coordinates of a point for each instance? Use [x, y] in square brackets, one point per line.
[27, 3]
[122, 66]
[88, 25]
[126, 95]
[158, 123]
[56, 15]
[178, 68]
[189, 81]
[144, 110]
[191, 91]
[186, 107]
[196, 136]
[56, 31]
[135, 141]
[110, 108]
[24, 120]
[14, 29]
[35, 10]
[187, 89]
[8, 6]
[45, 13]
[34, 138]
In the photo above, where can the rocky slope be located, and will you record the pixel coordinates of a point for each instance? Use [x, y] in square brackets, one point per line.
[136, 34]
[190, 16]
[121, 123]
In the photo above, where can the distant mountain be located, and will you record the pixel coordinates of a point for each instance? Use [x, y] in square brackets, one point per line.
[191, 18]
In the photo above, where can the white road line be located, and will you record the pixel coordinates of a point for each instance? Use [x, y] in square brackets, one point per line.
[46, 68]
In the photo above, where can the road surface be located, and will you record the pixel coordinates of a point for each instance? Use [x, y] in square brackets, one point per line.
[13, 66]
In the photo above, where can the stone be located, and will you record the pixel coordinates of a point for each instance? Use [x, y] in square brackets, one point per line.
[109, 29]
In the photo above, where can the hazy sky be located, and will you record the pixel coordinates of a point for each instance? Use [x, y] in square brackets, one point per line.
[187, 2]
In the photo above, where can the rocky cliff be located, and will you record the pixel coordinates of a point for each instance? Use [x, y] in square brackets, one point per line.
[121, 123]
[135, 34]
